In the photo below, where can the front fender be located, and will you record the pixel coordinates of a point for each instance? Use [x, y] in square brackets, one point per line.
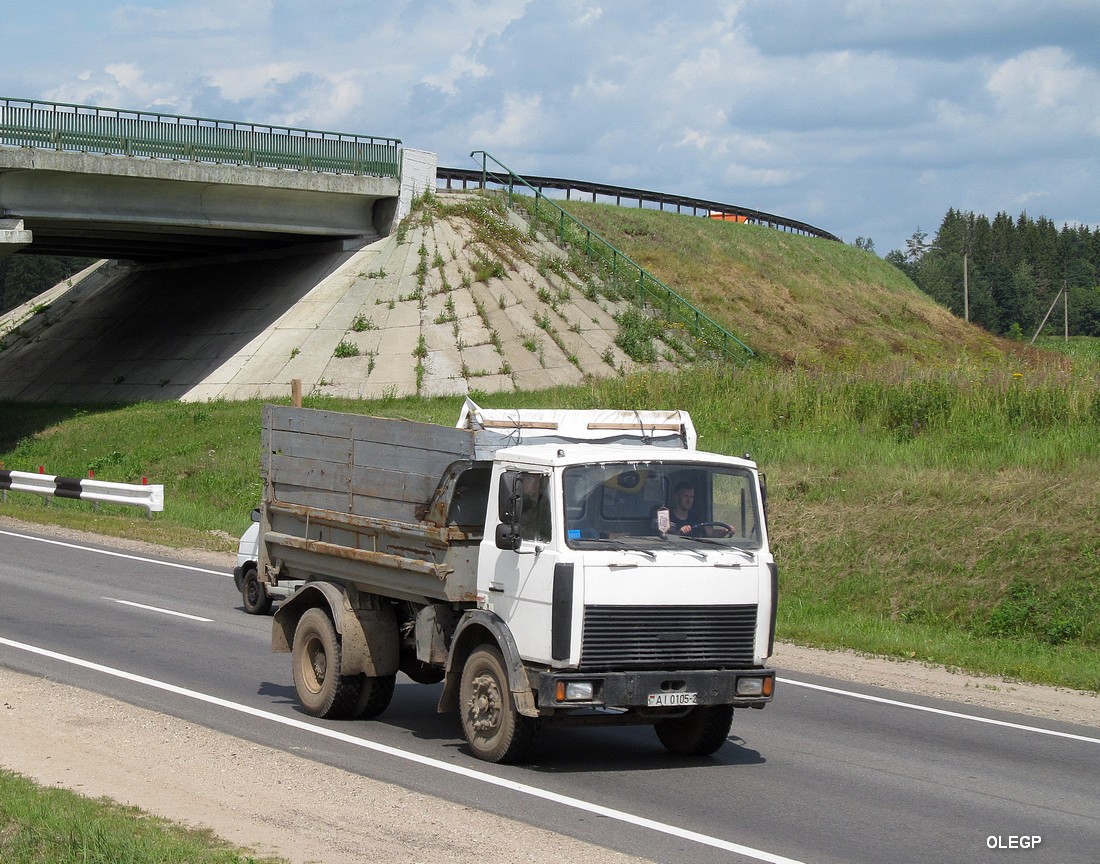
[480, 627]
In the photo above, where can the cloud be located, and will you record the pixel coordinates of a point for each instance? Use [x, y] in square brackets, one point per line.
[177, 21]
[1045, 82]
[250, 82]
[516, 123]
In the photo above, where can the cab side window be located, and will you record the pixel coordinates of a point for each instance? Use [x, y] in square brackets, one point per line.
[534, 523]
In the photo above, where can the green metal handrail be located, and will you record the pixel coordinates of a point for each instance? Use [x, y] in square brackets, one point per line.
[88, 129]
[619, 268]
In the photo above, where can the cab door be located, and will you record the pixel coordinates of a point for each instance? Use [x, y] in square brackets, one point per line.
[518, 584]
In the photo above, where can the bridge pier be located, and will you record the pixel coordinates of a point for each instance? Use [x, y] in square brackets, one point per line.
[12, 237]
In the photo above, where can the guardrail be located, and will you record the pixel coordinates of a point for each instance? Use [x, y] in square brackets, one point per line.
[150, 497]
[115, 131]
[618, 268]
[659, 200]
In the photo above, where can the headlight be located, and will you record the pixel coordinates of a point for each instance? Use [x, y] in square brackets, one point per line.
[750, 686]
[574, 691]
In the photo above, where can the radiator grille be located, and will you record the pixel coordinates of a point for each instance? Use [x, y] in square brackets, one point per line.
[669, 637]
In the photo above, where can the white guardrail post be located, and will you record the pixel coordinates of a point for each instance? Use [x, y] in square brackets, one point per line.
[148, 496]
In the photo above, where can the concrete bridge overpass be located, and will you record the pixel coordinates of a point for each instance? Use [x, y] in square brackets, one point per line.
[253, 256]
[107, 183]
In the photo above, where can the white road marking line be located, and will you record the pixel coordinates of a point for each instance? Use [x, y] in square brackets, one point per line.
[941, 711]
[158, 609]
[115, 554]
[427, 761]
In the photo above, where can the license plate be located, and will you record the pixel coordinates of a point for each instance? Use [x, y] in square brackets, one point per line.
[671, 700]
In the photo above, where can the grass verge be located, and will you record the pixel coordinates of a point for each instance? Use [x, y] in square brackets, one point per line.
[54, 826]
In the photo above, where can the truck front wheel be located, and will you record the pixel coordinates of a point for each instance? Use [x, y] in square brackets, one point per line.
[700, 732]
[315, 660]
[494, 729]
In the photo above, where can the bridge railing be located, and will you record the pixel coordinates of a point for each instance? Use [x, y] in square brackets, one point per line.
[646, 198]
[89, 129]
[617, 268]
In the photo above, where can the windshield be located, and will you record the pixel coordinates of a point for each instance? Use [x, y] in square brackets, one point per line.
[644, 505]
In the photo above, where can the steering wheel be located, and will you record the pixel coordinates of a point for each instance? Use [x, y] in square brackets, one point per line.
[698, 530]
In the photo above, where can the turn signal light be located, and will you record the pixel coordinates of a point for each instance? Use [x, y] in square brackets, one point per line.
[755, 686]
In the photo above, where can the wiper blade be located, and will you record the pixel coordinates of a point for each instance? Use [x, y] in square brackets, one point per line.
[616, 546]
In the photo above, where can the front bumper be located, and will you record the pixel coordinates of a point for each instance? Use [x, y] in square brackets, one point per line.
[633, 689]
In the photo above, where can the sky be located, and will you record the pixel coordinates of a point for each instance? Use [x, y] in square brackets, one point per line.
[866, 119]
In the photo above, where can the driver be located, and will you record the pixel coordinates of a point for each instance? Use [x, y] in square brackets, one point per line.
[681, 520]
[679, 513]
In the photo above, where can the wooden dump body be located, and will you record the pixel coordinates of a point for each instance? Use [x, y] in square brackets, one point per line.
[372, 502]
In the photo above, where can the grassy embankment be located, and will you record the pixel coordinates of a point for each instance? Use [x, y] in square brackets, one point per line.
[933, 489]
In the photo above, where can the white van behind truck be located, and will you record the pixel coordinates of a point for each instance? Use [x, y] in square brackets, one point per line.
[525, 558]
[254, 596]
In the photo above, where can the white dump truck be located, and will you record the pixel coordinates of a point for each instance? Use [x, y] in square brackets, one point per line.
[540, 563]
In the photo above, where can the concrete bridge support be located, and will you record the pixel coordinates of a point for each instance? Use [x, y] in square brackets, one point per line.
[13, 237]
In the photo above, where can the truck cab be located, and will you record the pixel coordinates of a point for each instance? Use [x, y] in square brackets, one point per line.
[581, 561]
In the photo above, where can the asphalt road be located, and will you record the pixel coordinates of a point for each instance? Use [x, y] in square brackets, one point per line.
[831, 772]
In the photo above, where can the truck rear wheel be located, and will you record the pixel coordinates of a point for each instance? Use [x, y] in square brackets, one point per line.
[375, 694]
[494, 729]
[315, 660]
[700, 732]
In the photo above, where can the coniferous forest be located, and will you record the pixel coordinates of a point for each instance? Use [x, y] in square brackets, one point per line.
[1015, 269]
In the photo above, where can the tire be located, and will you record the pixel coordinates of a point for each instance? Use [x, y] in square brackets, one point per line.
[253, 594]
[315, 660]
[374, 695]
[494, 729]
[700, 732]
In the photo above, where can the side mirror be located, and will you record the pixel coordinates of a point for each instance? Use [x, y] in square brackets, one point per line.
[507, 537]
[509, 498]
[764, 492]
[509, 510]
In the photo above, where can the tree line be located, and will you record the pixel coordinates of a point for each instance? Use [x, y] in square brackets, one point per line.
[1015, 268]
[23, 277]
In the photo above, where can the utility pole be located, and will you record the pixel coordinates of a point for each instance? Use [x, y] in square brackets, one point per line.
[1065, 311]
[966, 268]
[966, 289]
